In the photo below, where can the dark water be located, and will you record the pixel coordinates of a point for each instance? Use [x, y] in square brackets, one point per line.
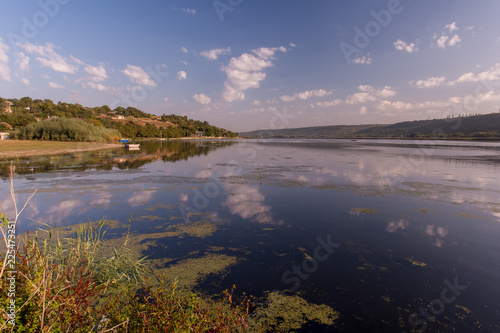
[405, 235]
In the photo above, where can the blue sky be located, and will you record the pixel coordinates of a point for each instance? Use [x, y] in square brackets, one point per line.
[252, 64]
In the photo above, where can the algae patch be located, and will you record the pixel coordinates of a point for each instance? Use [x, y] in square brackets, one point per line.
[191, 271]
[358, 211]
[199, 229]
[286, 313]
[416, 263]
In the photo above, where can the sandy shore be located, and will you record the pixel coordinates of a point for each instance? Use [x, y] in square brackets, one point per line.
[26, 148]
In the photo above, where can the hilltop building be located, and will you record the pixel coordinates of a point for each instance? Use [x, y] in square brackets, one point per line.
[8, 107]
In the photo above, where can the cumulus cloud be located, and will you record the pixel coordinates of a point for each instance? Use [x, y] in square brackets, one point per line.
[489, 96]
[48, 57]
[306, 95]
[491, 74]
[202, 99]
[97, 74]
[182, 75]
[406, 47]
[246, 71]
[215, 53]
[4, 60]
[23, 62]
[448, 38]
[97, 86]
[367, 93]
[363, 60]
[451, 27]
[138, 76]
[431, 82]
[55, 85]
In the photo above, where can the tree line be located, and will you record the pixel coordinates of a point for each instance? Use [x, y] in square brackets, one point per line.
[26, 111]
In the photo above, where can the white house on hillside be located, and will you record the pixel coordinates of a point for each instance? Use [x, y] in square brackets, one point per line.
[8, 108]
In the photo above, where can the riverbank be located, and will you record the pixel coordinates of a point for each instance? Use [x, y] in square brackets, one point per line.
[25, 148]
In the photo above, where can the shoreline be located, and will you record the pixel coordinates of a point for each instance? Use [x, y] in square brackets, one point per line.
[28, 148]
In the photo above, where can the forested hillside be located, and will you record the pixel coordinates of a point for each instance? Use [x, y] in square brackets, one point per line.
[471, 126]
[16, 114]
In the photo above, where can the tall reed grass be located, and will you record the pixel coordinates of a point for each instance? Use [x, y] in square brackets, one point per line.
[77, 284]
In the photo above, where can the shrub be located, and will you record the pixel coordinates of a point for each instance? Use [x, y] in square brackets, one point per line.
[66, 129]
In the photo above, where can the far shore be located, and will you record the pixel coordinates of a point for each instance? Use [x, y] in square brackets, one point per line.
[26, 148]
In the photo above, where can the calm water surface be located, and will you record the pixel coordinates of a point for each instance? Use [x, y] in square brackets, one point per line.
[394, 235]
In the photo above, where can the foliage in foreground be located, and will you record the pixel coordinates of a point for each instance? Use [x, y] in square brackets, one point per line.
[66, 129]
[73, 285]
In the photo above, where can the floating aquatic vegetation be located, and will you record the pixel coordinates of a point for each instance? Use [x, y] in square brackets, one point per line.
[416, 263]
[285, 313]
[191, 271]
[358, 211]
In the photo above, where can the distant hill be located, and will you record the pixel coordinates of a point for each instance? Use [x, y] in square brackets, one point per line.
[130, 122]
[477, 126]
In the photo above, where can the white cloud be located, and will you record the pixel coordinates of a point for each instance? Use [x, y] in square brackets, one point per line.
[26, 81]
[454, 40]
[431, 82]
[363, 110]
[364, 60]
[246, 71]
[441, 42]
[97, 74]
[492, 74]
[139, 76]
[4, 60]
[451, 27]
[48, 57]
[256, 102]
[202, 99]
[55, 85]
[23, 62]
[182, 75]
[366, 94]
[183, 49]
[97, 86]
[446, 38]
[191, 11]
[489, 96]
[403, 46]
[215, 53]
[306, 95]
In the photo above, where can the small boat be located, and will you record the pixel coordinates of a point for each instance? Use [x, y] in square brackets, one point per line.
[133, 146]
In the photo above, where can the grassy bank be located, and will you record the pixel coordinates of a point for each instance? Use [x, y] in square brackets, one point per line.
[25, 148]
